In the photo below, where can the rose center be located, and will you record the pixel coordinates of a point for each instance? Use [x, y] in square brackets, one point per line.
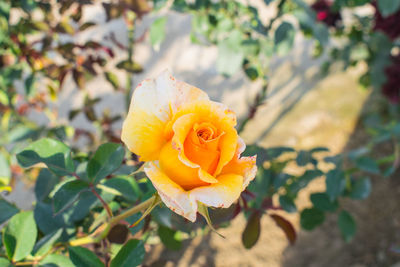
[202, 146]
[205, 131]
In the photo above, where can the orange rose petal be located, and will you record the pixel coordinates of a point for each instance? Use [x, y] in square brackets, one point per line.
[174, 197]
[211, 112]
[227, 146]
[244, 166]
[221, 194]
[205, 154]
[206, 177]
[180, 173]
[182, 128]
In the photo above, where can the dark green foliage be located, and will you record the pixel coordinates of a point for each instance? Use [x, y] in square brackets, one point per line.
[311, 218]
[105, 161]
[252, 231]
[347, 225]
[82, 257]
[131, 254]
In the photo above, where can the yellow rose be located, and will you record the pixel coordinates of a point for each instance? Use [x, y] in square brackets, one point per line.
[190, 143]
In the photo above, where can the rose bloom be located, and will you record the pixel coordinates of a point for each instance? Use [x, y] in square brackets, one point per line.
[325, 14]
[190, 145]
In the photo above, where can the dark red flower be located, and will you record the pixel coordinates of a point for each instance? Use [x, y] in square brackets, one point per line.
[391, 88]
[389, 25]
[324, 12]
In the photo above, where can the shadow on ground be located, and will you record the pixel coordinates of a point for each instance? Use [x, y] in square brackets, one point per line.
[378, 221]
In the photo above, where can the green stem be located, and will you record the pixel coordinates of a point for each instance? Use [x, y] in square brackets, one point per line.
[142, 206]
[106, 227]
[105, 205]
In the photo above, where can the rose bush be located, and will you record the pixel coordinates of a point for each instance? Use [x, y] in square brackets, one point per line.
[86, 196]
[190, 144]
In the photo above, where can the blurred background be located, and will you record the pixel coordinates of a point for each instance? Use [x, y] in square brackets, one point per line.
[299, 74]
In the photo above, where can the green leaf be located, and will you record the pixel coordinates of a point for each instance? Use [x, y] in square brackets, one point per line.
[22, 132]
[368, 165]
[304, 180]
[4, 99]
[86, 25]
[251, 232]
[130, 66]
[83, 257]
[67, 194]
[311, 218]
[361, 189]
[6, 211]
[28, 5]
[337, 160]
[225, 24]
[5, 10]
[388, 7]
[5, 171]
[251, 47]
[381, 46]
[29, 82]
[287, 203]
[319, 149]
[356, 153]
[168, 238]
[335, 183]
[280, 180]
[303, 158]
[112, 79]
[53, 153]
[5, 263]
[44, 245]
[275, 152]
[107, 159]
[56, 260]
[130, 255]
[321, 201]
[20, 235]
[65, 27]
[251, 72]
[45, 219]
[124, 186]
[284, 38]
[321, 33]
[347, 225]
[157, 32]
[261, 184]
[45, 183]
[230, 54]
